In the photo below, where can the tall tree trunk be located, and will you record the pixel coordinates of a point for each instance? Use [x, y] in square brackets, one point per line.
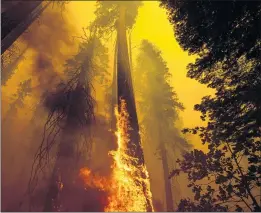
[17, 19]
[168, 192]
[125, 89]
[125, 92]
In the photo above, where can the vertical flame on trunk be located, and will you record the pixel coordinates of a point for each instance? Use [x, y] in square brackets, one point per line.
[128, 188]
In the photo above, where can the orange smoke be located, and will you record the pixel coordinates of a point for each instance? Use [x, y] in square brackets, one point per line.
[128, 188]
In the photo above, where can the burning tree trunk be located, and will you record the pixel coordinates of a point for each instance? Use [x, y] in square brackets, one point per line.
[125, 93]
[125, 88]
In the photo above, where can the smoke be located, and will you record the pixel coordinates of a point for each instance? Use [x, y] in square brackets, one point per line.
[49, 42]
[51, 39]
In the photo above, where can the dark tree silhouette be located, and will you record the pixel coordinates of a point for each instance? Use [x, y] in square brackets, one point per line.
[159, 105]
[202, 28]
[228, 47]
[227, 183]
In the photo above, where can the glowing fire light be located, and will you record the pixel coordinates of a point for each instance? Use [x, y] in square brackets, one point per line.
[128, 188]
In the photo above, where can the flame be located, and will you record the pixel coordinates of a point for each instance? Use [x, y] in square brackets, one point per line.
[93, 181]
[128, 188]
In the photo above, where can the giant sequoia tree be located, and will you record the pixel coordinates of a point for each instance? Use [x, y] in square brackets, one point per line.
[119, 17]
[228, 47]
[159, 106]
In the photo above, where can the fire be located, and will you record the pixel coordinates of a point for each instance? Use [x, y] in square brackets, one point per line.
[128, 188]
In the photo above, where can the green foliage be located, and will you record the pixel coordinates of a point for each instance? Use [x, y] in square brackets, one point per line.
[228, 47]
